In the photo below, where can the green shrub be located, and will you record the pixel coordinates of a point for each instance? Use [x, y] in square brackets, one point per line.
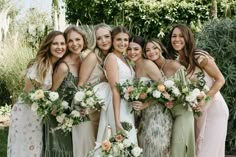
[218, 37]
[14, 57]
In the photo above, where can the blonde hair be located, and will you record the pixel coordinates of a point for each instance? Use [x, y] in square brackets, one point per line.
[43, 57]
[97, 50]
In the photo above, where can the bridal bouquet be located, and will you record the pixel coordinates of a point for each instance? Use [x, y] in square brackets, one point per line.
[41, 101]
[119, 145]
[87, 100]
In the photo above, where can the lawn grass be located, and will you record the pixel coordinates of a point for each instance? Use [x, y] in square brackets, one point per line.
[3, 141]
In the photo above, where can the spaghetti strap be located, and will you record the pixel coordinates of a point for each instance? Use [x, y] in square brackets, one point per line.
[58, 63]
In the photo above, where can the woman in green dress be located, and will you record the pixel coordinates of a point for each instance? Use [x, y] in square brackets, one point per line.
[182, 140]
[65, 79]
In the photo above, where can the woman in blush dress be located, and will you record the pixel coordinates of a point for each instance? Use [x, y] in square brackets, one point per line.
[155, 126]
[182, 136]
[25, 138]
[209, 142]
[65, 78]
[118, 70]
[91, 71]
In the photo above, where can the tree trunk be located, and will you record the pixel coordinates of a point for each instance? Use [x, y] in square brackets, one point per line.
[214, 9]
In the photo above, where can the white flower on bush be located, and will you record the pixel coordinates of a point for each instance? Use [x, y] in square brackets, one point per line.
[65, 104]
[136, 151]
[79, 96]
[126, 143]
[39, 94]
[89, 93]
[53, 96]
[61, 118]
[156, 94]
[169, 83]
[75, 113]
[176, 91]
[34, 107]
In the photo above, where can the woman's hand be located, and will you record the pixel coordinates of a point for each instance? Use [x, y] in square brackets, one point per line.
[119, 127]
[138, 106]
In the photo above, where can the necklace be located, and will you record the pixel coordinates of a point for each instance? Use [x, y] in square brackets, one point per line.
[163, 65]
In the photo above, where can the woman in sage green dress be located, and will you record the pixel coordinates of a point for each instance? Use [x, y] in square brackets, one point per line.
[182, 138]
[65, 79]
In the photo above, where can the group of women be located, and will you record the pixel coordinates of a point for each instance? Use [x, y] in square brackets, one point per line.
[59, 65]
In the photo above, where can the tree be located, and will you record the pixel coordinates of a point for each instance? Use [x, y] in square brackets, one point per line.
[214, 9]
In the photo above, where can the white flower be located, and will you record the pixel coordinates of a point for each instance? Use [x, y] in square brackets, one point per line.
[206, 88]
[32, 96]
[121, 146]
[89, 93]
[185, 90]
[90, 101]
[156, 94]
[126, 143]
[34, 107]
[149, 90]
[126, 96]
[69, 122]
[176, 91]
[83, 104]
[65, 104]
[75, 113]
[196, 92]
[79, 96]
[61, 118]
[115, 150]
[169, 83]
[39, 94]
[53, 96]
[136, 151]
[124, 90]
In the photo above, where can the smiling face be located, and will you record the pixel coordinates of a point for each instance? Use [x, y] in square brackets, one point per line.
[177, 40]
[103, 39]
[75, 42]
[153, 51]
[134, 51]
[58, 47]
[121, 42]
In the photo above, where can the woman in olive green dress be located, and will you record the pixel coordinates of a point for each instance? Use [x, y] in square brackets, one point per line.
[65, 79]
[182, 140]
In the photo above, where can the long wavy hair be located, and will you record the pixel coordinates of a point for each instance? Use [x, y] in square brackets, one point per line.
[97, 50]
[191, 53]
[43, 57]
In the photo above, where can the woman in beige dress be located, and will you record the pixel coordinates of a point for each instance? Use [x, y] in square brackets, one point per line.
[91, 71]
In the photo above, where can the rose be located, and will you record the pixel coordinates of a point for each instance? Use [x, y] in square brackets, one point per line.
[176, 91]
[130, 89]
[90, 101]
[169, 83]
[106, 145]
[201, 95]
[75, 113]
[156, 94]
[39, 94]
[61, 118]
[34, 107]
[126, 143]
[89, 93]
[53, 96]
[79, 96]
[65, 104]
[142, 96]
[136, 151]
[161, 88]
[119, 138]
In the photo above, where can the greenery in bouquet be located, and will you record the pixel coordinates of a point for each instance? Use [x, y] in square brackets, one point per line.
[41, 101]
[119, 145]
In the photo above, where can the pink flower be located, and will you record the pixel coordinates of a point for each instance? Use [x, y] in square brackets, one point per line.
[201, 95]
[119, 138]
[106, 145]
[130, 89]
[142, 96]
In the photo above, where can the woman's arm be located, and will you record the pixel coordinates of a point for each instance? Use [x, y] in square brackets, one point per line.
[210, 67]
[86, 68]
[111, 68]
[58, 75]
[152, 71]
